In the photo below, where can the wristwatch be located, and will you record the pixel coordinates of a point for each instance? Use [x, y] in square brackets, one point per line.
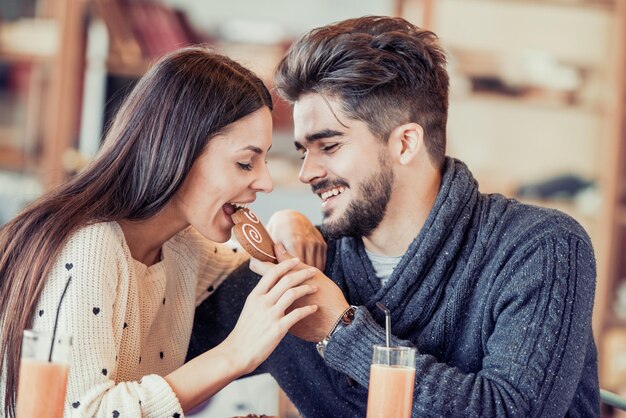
[344, 320]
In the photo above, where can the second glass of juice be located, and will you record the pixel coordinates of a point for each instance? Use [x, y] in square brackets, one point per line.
[44, 367]
[392, 378]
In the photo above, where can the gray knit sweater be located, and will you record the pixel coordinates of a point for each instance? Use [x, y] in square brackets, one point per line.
[496, 296]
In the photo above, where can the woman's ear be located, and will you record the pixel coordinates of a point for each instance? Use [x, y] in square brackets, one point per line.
[406, 142]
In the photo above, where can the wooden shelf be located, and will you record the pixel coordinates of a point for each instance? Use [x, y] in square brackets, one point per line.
[614, 322]
[535, 101]
[12, 159]
[33, 40]
[592, 4]
[53, 40]
[9, 56]
[116, 66]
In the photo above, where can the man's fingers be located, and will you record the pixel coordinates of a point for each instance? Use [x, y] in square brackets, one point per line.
[320, 258]
[304, 252]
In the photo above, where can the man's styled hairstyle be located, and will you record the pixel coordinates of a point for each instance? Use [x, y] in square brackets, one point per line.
[385, 71]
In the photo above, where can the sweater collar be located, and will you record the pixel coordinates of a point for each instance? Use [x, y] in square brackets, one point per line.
[420, 277]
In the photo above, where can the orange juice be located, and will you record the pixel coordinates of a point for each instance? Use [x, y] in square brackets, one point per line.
[41, 391]
[390, 391]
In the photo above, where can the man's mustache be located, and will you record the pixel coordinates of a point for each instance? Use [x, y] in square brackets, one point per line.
[328, 184]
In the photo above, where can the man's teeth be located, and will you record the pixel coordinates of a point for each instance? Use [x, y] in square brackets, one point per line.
[240, 205]
[332, 192]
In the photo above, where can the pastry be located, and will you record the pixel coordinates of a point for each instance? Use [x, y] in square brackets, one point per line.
[253, 236]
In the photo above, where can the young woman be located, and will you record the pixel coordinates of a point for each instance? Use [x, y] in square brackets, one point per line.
[136, 232]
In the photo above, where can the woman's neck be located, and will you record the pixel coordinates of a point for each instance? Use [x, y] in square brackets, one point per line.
[145, 238]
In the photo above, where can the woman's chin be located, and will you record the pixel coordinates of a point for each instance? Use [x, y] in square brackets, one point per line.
[220, 236]
[222, 239]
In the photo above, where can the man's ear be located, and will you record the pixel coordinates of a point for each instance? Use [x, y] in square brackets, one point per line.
[406, 142]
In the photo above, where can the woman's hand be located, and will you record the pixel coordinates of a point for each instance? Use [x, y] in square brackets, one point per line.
[299, 236]
[328, 298]
[264, 321]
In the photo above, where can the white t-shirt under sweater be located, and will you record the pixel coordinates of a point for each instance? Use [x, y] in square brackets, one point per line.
[383, 265]
[130, 323]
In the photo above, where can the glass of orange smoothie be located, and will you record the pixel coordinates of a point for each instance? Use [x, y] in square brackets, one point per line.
[392, 377]
[44, 368]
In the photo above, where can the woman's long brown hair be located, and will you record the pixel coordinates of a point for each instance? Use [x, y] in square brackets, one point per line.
[186, 99]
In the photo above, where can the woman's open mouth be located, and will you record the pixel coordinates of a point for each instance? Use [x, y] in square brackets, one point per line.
[230, 208]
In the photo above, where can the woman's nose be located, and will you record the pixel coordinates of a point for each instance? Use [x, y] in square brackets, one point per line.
[263, 182]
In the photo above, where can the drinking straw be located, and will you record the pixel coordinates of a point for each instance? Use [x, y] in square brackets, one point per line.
[387, 323]
[56, 319]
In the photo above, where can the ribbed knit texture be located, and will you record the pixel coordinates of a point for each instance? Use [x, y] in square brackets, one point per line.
[130, 323]
[495, 295]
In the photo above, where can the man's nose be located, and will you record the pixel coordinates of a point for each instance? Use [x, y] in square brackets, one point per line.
[311, 170]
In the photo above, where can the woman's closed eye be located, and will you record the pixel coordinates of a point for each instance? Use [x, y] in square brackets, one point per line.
[245, 166]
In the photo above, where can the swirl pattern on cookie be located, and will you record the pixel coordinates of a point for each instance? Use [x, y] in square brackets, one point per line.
[254, 237]
[252, 216]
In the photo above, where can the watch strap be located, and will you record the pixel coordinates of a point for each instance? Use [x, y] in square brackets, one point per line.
[344, 320]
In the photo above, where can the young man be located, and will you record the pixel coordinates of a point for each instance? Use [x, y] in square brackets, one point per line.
[495, 295]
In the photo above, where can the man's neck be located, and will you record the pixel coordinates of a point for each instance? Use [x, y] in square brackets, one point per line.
[406, 214]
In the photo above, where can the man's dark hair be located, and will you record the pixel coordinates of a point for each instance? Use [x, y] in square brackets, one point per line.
[385, 71]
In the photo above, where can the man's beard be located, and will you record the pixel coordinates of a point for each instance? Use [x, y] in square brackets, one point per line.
[368, 208]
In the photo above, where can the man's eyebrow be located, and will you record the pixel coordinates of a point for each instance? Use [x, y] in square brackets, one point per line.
[326, 133]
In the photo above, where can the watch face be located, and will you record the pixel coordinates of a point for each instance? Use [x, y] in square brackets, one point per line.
[348, 317]
[345, 319]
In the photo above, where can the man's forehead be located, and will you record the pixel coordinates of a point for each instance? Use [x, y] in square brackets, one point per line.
[313, 113]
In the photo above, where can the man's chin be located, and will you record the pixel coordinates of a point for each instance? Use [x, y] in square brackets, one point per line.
[332, 230]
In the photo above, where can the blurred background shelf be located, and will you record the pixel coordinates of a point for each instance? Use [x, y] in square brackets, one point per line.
[9, 56]
[41, 63]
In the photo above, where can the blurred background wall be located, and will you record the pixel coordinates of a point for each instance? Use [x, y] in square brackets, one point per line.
[536, 108]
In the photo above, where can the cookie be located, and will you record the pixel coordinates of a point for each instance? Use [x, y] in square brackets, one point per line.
[253, 236]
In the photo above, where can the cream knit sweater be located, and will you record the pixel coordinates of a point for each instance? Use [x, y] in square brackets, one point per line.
[130, 323]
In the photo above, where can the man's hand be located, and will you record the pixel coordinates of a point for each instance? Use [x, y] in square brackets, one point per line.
[299, 236]
[329, 299]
